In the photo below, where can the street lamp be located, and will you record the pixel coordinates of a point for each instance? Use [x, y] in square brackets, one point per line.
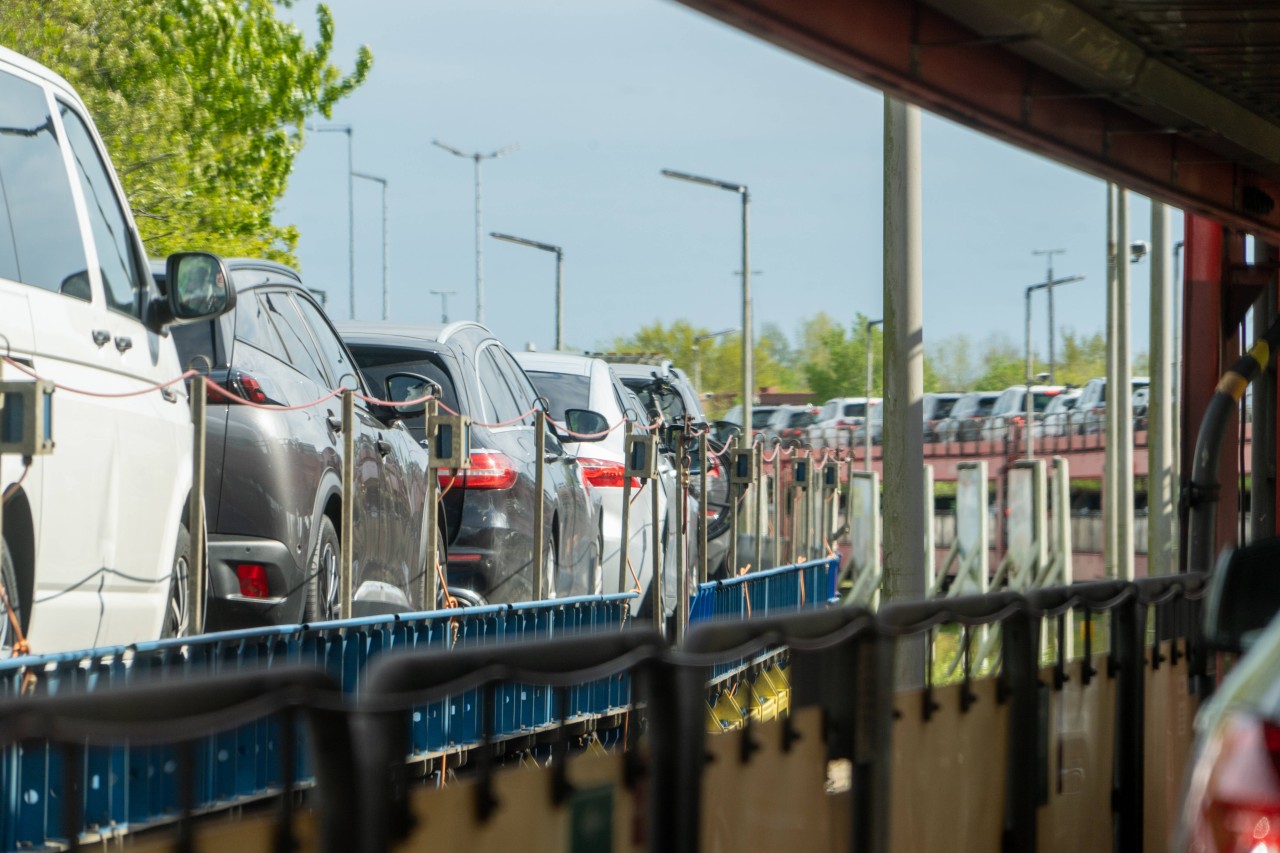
[444, 303]
[1031, 406]
[1049, 253]
[546, 247]
[697, 355]
[866, 407]
[386, 292]
[351, 205]
[748, 379]
[477, 157]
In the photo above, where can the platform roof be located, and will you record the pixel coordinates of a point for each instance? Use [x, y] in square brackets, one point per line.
[1175, 99]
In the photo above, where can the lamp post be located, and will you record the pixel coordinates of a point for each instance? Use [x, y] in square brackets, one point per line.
[697, 355]
[386, 292]
[351, 206]
[866, 409]
[1048, 277]
[748, 378]
[444, 303]
[477, 157]
[546, 247]
[1031, 406]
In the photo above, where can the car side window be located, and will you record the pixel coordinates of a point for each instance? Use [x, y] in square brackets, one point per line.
[500, 404]
[40, 241]
[331, 347]
[123, 277]
[254, 328]
[297, 342]
[522, 389]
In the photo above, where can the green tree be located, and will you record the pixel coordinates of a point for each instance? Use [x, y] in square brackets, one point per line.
[201, 104]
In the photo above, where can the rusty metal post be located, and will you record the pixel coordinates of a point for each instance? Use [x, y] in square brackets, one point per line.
[197, 568]
[703, 565]
[627, 429]
[682, 523]
[539, 509]
[777, 506]
[348, 544]
[431, 579]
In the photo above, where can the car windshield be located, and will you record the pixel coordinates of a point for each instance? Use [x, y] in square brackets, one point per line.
[801, 419]
[1042, 399]
[760, 418]
[985, 405]
[658, 397]
[562, 391]
[942, 407]
[377, 363]
[855, 410]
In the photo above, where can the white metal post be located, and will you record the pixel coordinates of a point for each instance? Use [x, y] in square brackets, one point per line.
[1122, 399]
[1160, 403]
[1110, 482]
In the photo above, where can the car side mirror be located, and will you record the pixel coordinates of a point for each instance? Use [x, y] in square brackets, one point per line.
[1244, 595]
[585, 422]
[410, 386]
[199, 287]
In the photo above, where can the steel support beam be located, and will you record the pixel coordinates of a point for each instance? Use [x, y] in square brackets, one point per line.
[1161, 404]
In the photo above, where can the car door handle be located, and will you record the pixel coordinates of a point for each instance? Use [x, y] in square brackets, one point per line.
[101, 336]
[552, 457]
[334, 423]
[124, 343]
[384, 447]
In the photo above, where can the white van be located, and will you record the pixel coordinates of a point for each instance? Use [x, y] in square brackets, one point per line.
[94, 530]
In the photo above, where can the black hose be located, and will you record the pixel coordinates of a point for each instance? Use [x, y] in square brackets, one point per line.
[1201, 493]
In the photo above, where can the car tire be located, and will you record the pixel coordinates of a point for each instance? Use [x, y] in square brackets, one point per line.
[177, 609]
[9, 577]
[323, 581]
[551, 567]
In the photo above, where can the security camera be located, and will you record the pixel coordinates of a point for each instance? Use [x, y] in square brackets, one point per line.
[1138, 250]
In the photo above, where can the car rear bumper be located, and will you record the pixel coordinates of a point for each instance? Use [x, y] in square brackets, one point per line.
[286, 583]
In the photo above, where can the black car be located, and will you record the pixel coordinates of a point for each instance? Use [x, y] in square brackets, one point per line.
[273, 492]
[488, 511]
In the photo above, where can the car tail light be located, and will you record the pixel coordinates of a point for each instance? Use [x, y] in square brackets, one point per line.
[715, 468]
[1233, 805]
[1018, 420]
[489, 470]
[253, 580]
[241, 384]
[605, 474]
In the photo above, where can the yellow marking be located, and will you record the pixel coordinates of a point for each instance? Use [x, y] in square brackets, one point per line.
[1261, 353]
[1234, 384]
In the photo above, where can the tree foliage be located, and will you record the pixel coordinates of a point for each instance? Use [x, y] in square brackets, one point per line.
[201, 104]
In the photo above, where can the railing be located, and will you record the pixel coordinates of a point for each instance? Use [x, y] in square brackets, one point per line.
[756, 594]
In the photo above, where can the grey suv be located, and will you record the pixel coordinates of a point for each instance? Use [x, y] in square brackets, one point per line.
[274, 478]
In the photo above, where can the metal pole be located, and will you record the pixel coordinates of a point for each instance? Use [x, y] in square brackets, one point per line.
[539, 535]
[1048, 278]
[559, 301]
[655, 556]
[195, 507]
[479, 250]
[347, 545]
[1160, 482]
[733, 522]
[748, 376]
[903, 457]
[627, 430]
[1123, 399]
[431, 582]
[866, 410]
[1030, 405]
[703, 565]
[351, 220]
[777, 506]
[1109, 480]
[758, 509]
[697, 366]
[682, 521]
[386, 287]
[1262, 498]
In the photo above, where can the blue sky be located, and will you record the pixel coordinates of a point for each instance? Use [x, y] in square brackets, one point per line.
[601, 96]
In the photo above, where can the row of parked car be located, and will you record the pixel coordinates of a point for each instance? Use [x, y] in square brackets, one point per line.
[95, 546]
[949, 416]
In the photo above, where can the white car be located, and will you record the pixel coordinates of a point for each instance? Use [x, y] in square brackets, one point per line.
[95, 545]
[580, 382]
[839, 424]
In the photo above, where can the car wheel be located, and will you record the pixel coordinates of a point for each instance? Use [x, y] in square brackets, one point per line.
[9, 578]
[551, 567]
[323, 582]
[177, 612]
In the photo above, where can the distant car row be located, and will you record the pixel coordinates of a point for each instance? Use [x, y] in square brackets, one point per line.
[948, 416]
[95, 546]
